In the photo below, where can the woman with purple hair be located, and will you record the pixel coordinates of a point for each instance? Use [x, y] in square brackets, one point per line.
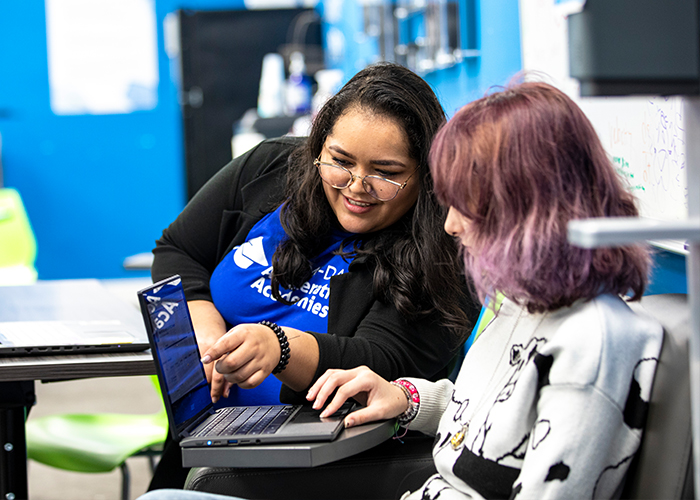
[552, 396]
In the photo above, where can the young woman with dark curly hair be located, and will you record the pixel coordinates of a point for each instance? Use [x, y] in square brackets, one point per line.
[335, 241]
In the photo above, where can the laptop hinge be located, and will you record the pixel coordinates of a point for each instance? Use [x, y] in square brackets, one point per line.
[187, 432]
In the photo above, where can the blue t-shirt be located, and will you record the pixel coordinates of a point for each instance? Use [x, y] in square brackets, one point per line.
[240, 288]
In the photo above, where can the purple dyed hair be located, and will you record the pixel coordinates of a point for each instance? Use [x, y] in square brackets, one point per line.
[520, 164]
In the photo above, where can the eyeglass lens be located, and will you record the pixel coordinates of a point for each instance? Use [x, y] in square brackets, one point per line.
[374, 186]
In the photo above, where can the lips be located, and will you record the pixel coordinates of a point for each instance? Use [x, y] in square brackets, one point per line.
[358, 203]
[357, 206]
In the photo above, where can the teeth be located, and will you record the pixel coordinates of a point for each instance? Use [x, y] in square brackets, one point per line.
[358, 203]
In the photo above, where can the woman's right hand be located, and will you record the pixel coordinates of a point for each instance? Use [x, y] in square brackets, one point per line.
[382, 399]
[209, 327]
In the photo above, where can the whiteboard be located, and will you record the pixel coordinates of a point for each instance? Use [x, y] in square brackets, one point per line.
[643, 136]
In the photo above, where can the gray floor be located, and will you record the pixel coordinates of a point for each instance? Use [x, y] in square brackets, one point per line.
[118, 395]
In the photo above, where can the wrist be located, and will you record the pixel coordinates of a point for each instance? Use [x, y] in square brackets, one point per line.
[284, 346]
[412, 400]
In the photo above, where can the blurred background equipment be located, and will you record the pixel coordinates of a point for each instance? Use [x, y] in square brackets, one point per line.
[222, 55]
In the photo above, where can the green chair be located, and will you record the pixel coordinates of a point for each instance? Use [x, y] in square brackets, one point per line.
[97, 442]
[488, 313]
[17, 243]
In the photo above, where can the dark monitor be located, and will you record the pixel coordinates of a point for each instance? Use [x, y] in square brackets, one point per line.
[622, 47]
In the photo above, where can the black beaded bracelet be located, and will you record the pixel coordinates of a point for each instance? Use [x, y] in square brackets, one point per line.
[284, 345]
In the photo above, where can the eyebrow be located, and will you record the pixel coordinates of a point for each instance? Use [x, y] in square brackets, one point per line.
[340, 150]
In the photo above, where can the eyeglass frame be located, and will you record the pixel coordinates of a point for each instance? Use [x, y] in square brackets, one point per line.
[353, 177]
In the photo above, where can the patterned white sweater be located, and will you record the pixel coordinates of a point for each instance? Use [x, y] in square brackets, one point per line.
[545, 406]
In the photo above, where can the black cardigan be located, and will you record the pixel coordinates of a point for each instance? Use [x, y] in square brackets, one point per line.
[364, 331]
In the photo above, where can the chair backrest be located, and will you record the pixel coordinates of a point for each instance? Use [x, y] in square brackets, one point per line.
[663, 466]
[17, 242]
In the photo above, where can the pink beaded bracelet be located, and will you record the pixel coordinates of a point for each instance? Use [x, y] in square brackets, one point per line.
[413, 400]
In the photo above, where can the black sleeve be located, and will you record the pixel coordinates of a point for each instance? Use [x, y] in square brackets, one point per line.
[385, 341]
[367, 331]
[194, 244]
[390, 345]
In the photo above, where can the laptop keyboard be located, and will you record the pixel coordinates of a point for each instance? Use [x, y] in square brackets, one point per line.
[36, 332]
[265, 420]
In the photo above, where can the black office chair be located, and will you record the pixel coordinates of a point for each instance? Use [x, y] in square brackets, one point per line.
[662, 468]
[384, 472]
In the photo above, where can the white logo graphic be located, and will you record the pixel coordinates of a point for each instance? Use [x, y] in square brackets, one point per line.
[249, 252]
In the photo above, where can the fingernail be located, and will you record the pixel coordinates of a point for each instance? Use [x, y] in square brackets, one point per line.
[349, 422]
[206, 359]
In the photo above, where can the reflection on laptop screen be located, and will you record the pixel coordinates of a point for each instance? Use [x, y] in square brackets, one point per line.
[177, 354]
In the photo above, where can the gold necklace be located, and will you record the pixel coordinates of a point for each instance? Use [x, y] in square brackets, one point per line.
[457, 441]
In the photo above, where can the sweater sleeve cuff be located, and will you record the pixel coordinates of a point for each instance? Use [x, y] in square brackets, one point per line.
[434, 397]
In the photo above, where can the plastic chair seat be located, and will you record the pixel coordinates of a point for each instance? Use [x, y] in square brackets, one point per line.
[18, 247]
[97, 442]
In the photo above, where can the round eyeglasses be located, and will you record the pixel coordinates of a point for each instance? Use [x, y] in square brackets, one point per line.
[377, 187]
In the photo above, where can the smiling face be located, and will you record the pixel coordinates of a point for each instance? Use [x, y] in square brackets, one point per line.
[369, 144]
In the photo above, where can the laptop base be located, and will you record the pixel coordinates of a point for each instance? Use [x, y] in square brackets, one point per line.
[350, 442]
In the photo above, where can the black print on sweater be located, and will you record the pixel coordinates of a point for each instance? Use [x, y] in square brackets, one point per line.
[431, 491]
[636, 409]
[540, 431]
[462, 407]
[516, 491]
[439, 442]
[518, 452]
[487, 474]
[518, 361]
[610, 473]
[519, 356]
[558, 472]
[543, 364]
[458, 417]
[490, 479]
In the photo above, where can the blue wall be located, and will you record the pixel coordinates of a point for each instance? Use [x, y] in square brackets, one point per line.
[669, 274]
[498, 40]
[96, 188]
[92, 185]
[100, 188]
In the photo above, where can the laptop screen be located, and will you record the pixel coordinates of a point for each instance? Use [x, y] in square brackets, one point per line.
[175, 350]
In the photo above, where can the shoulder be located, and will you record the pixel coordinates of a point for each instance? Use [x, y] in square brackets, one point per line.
[606, 320]
[268, 156]
[611, 319]
[257, 176]
[269, 159]
[599, 341]
[272, 148]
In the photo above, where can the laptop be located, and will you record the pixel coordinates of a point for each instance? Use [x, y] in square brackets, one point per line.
[67, 317]
[194, 422]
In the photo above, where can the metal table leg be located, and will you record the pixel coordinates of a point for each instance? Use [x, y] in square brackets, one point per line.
[16, 398]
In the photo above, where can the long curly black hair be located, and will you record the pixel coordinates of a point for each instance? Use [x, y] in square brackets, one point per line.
[416, 264]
